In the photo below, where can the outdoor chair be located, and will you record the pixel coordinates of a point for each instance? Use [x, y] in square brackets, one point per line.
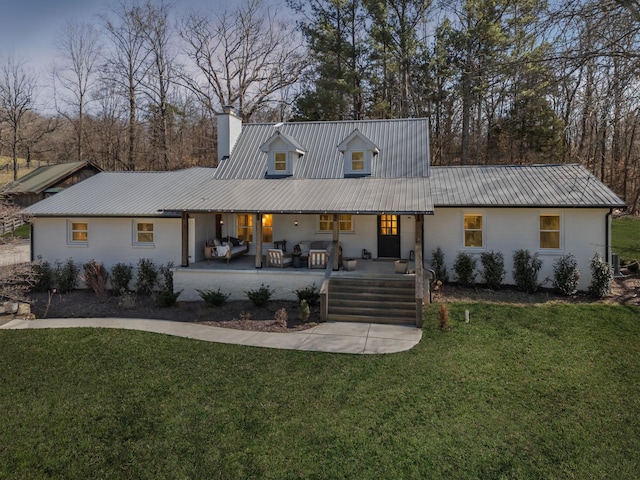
[275, 258]
[317, 259]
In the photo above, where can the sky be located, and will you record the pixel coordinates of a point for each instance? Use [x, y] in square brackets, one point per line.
[28, 27]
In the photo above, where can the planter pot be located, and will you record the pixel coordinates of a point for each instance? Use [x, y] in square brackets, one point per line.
[350, 264]
[402, 266]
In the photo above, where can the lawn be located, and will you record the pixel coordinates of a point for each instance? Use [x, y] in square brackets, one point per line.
[625, 234]
[549, 391]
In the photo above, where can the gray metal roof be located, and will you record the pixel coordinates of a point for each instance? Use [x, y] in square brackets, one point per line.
[520, 185]
[45, 176]
[403, 145]
[359, 195]
[120, 193]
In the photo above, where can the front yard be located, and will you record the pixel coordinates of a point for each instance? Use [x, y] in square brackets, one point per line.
[537, 391]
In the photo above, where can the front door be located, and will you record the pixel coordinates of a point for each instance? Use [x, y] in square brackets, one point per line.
[388, 236]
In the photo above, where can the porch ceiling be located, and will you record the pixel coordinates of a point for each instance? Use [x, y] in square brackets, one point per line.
[337, 195]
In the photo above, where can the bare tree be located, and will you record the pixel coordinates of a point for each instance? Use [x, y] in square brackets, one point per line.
[80, 49]
[245, 58]
[17, 91]
[127, 63]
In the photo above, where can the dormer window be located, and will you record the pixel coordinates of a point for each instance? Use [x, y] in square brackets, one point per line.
[282, 152]
[358, 153]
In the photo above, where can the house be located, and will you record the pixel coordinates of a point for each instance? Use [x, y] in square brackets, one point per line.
[47, 180]
[358, 189]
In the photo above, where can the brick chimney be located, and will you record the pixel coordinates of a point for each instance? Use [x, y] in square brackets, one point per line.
[229, 129]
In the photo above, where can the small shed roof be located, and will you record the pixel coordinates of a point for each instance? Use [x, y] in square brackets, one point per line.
[43, 177]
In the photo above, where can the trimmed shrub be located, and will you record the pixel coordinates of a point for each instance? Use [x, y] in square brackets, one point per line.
[66, 275]
[310, 294]
[601, 277]
[166, 276]
[166, 298]
[526, 268]
[95, 276]
[121, 275]
[305, 311]
[566, 274]
[214, 299]
[465, 268]
[44, 276]
[260, 296]
[493, 269]
[438, 265]
[147, 277]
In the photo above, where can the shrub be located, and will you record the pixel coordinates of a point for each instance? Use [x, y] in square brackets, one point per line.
[634, 266]
[305, 311]
[310, 294]
[121, 275]
[526, 268]
[214, 299]
[66, 275]
[166, 298]
[566, 274]
[438, 265]
[166, 275]
[282, 318]
[465, 266]
[260, 296]
[493, 269]
[44, 276]
[95, 276]
[601, 277]
[147, 277]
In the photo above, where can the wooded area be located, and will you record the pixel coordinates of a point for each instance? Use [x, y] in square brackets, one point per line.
[503, 81]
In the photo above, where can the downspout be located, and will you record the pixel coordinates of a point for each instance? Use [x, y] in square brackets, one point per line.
[31, 242]
[607, 235]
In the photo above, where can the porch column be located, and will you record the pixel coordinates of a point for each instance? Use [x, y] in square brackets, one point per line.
[419, 271]
[336, 239]
[185, 239]
[257, 222]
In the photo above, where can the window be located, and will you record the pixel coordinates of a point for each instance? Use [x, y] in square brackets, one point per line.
[280, 162]
[357, 161]
[244, 227]
[388, 224]
[550, 231]
[267, 228]
[78, 232]
[473, 230]
[144, 232]
[345, 223]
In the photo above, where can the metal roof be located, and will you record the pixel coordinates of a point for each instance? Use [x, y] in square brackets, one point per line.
[520, 185]
[120, 193]
[403, 148]
[290, 195]
[42, 177]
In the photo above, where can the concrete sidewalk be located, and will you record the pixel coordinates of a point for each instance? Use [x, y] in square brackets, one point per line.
[333, 337]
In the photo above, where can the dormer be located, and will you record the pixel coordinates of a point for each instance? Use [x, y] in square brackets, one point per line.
[358, 152]
[283, 153]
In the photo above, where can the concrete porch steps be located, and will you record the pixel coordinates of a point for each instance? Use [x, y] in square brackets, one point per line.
[382, 299]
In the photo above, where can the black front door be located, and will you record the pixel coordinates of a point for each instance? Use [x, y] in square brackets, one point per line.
[389, 236]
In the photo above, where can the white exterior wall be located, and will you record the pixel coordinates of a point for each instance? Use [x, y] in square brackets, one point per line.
[111, 240]
[506, 230]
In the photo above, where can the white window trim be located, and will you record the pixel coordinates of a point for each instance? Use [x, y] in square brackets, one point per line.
[366, 160]
[483, 214]
[134, 232]
[272, 163]
[538, 231]
[76, 243]
[346, 232]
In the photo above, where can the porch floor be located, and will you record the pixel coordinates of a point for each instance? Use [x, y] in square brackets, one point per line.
[247, 262]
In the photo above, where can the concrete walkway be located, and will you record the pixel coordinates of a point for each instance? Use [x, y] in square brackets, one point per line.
[338, 337]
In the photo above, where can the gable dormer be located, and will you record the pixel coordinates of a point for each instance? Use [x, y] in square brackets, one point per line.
[358, 152]
[283, 152]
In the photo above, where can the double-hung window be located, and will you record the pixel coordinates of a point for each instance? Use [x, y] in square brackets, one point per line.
[280, 162]
[144, 233]
[357, 161]
[244, 227]
[473, 226]
[78, 233]
[345, 222]
[550, 226]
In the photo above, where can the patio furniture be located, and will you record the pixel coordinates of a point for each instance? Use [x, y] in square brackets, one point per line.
[226, 250]
[317, 259]
[276, 258]
[281, 244]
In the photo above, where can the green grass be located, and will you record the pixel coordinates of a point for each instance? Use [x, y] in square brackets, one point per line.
[625, 237]
[23, 231]
[520, 392]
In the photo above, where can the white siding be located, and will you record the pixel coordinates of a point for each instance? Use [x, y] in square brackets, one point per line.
[110, 241]
[511, 229]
